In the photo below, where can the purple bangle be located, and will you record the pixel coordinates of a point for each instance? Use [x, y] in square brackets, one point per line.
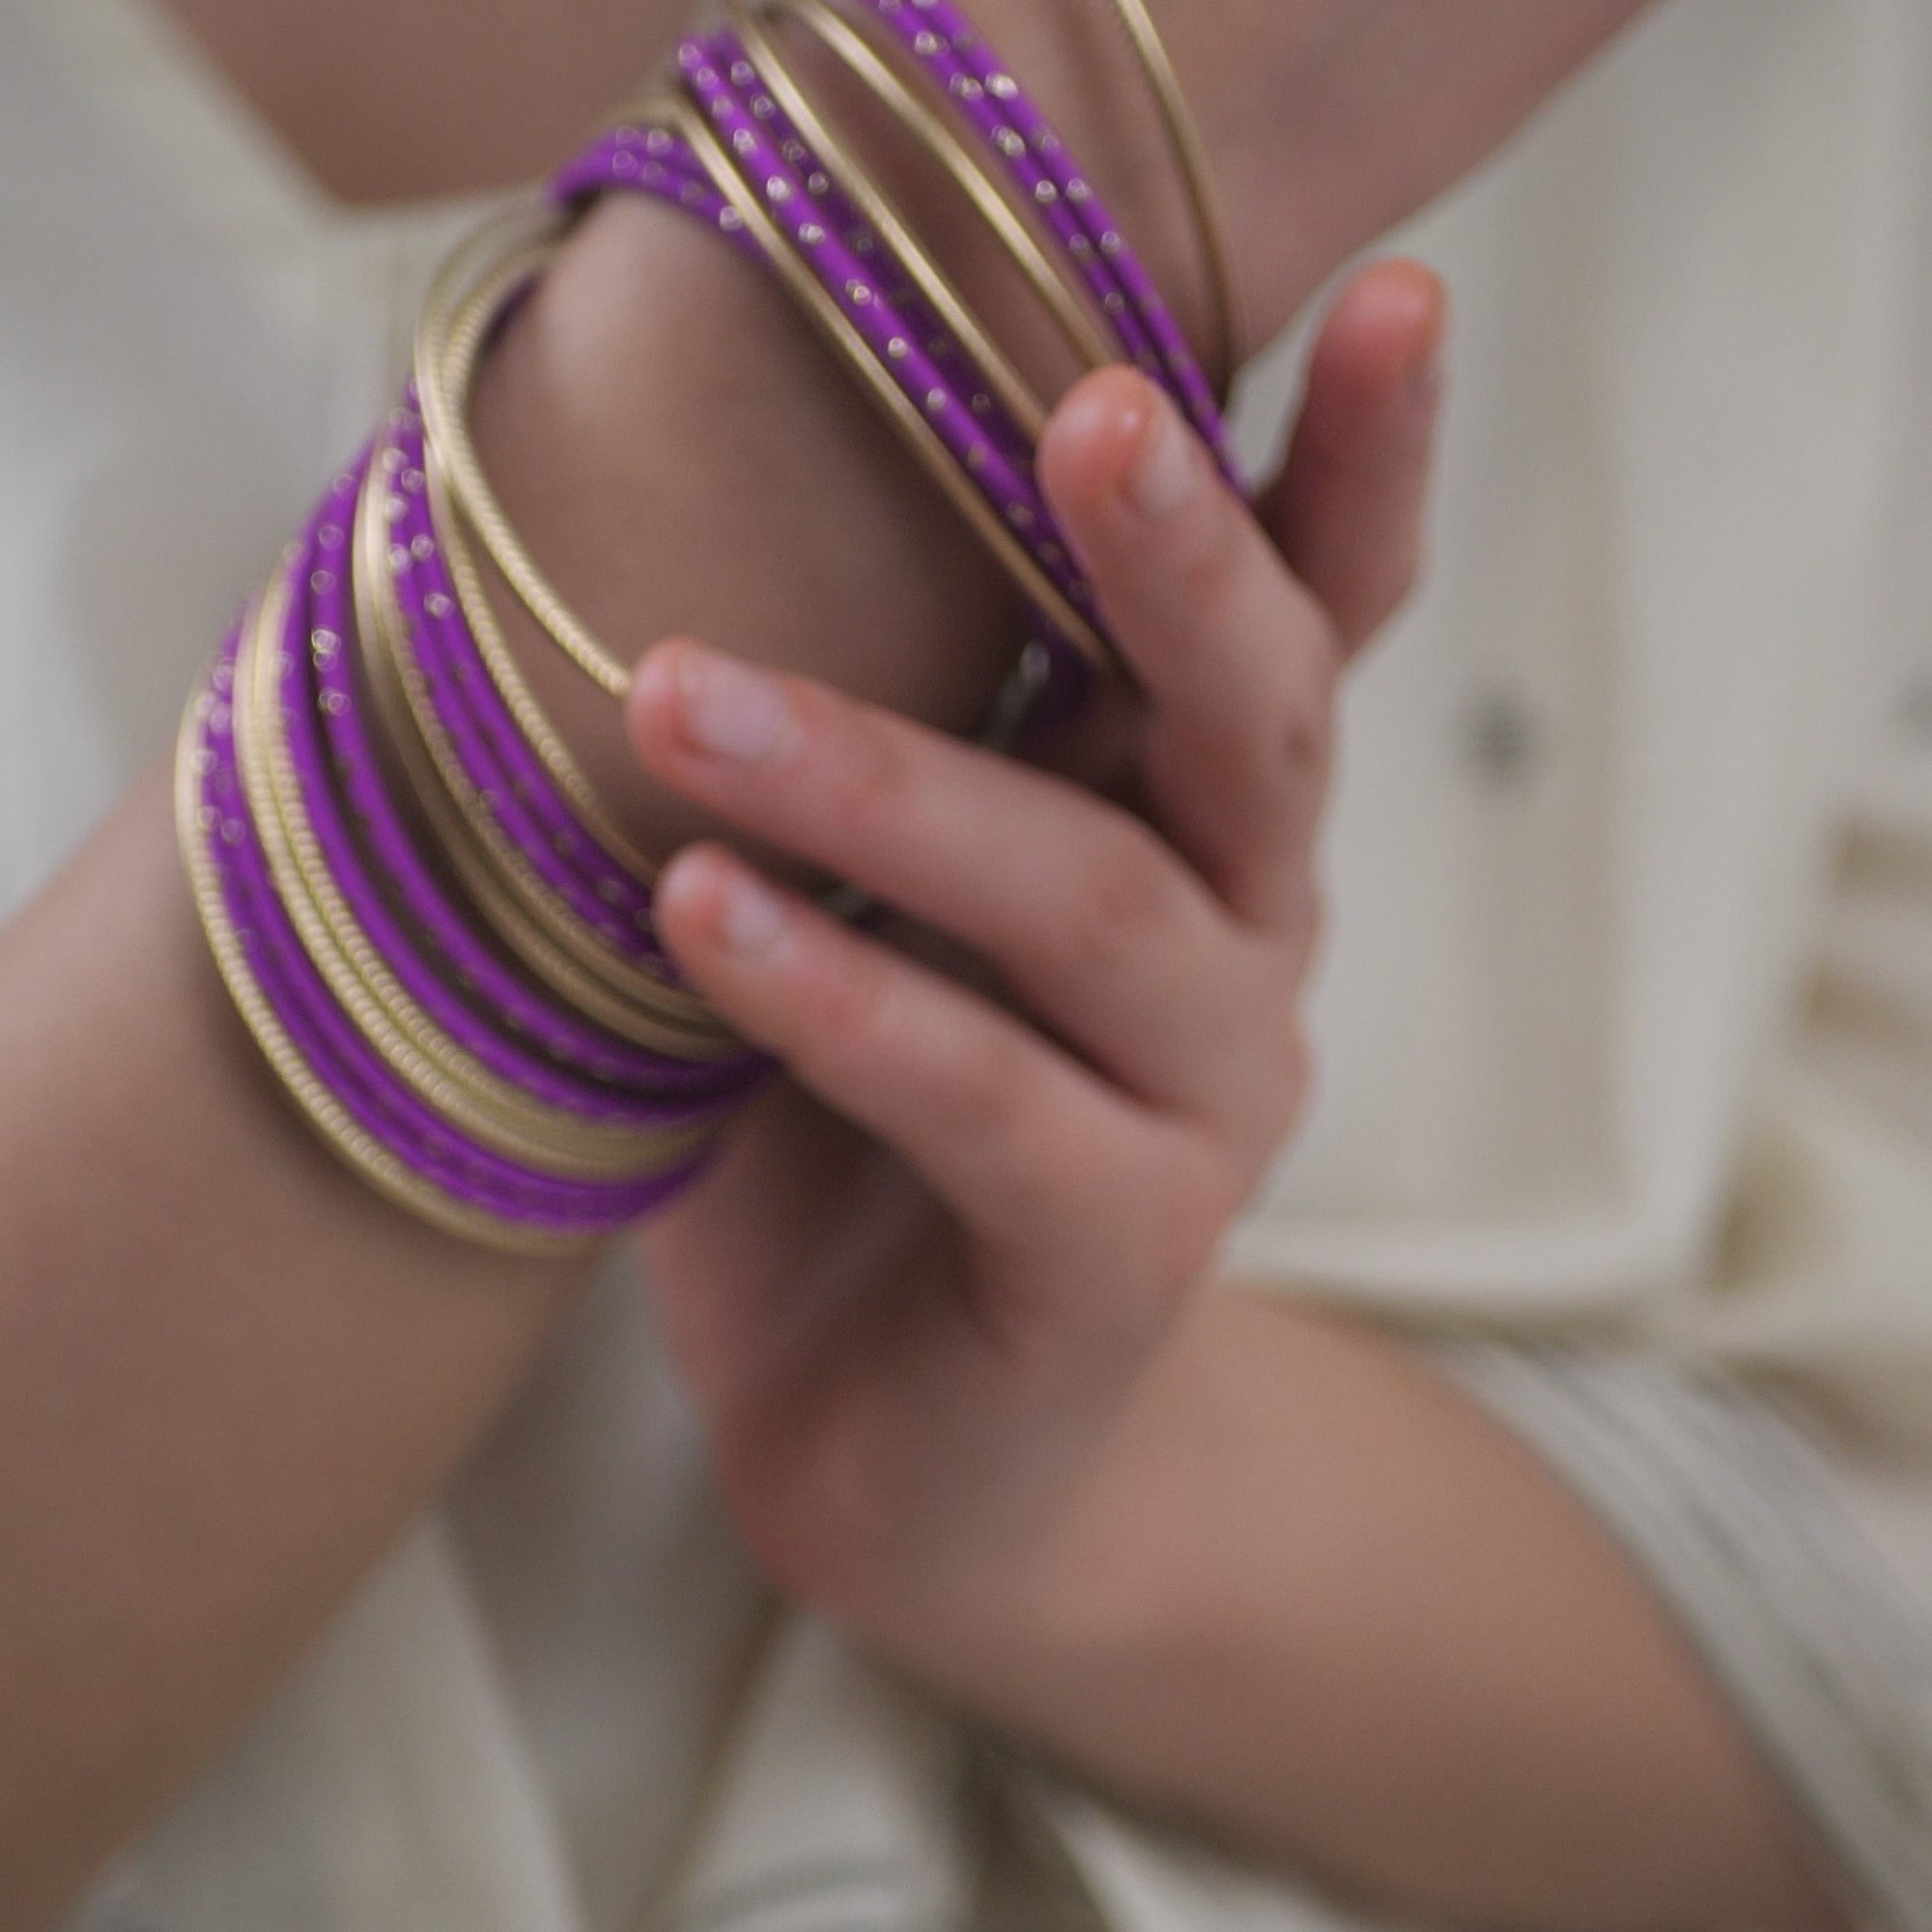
[870, 285]
[1010, 125]
[564, 1036]
[591, 1095]
[347, 1067]
[506, 789]
[866, 298]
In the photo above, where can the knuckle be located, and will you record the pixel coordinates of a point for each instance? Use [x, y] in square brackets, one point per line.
[853, 1000]
[1266, 1078]
[1303, 927]
[1122, 898]
[1215, 566]
[1303, 710]
[1291, 1063]
[1390, 583]
[1294, 1071]
[988, 1089]
[866, 774]
[1200, 1196]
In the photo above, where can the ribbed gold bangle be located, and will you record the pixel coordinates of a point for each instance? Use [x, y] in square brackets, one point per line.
[1197, 179]
[925, 443]
[330, 1121]
[444, 1075]
[518, 908]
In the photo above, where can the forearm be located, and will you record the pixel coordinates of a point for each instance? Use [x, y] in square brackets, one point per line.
[227, 1373]
[1322, 1605]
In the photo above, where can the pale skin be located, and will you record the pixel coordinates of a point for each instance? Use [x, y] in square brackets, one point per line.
[1233, 1559]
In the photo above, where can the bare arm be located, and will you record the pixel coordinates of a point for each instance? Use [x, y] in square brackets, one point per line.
[1323, 1603]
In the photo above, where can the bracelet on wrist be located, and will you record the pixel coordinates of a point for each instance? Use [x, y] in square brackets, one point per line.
[433, 927]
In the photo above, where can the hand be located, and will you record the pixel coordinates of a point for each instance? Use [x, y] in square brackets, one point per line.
[919, 1289]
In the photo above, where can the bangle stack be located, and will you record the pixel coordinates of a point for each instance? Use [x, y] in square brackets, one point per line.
[439, 936]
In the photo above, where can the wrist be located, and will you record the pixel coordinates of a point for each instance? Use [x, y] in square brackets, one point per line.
[1100, 1575]
[1078, 60]
[684, 459]
[577, 438]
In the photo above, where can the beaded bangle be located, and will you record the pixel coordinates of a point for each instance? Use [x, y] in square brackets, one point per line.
[439, 936]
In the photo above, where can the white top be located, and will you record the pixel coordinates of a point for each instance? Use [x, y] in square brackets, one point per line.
[1627, 1024]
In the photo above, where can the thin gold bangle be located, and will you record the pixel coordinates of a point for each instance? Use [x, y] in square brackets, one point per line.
[859, 183]
[1067, 297]
[566, 926]
[449, 343]
[519, 908]
[1190, 150]
[534, 920]
[330, 1121]
[443, 1075]
[521, 703]
[925, 441]
[547, 964]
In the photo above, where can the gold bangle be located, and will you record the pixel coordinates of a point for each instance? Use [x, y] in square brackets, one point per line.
[574, 933]
[449, 343]
[444, 1075]
[547, 964]
[326, 1116]
[925, 441]
[1190, 150]
[521, 703]
[1067, 299]
[1006, 382]
[542, 932]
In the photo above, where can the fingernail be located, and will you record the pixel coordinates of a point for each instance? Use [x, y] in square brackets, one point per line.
[1166, 470]
[751, 918]
[729, 710]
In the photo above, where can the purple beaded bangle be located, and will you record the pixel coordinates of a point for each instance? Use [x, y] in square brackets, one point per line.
[435, 955]
[469, 1179]
[965, 69]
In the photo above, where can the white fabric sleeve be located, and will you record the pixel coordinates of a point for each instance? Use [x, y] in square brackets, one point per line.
[1743, 1527]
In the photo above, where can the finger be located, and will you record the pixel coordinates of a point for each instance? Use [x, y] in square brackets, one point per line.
[1100, 929]
[1348, 509]
[1238, 661]
[1032, 1153]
